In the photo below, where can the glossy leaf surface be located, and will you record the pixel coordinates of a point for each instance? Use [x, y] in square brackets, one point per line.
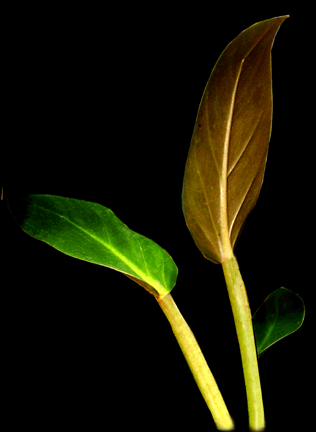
[93, 233]
[227, 156]
[281, 314]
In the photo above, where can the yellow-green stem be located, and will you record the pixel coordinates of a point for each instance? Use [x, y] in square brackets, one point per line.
[243, 322]
[197, 363]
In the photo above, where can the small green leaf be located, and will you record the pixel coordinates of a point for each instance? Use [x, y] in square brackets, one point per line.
[93, 233]
[281, 314]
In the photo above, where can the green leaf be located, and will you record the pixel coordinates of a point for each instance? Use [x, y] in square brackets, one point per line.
[93, 233]
[227, 156]
[281, 314]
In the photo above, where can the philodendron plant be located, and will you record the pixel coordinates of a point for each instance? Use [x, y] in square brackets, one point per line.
[223, 176]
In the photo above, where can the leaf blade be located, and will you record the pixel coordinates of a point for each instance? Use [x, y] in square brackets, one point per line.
[91, 232]
[281, 314]
[228, 150]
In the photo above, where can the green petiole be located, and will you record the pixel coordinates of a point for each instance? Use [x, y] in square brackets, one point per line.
[243, 322]
[197, 364]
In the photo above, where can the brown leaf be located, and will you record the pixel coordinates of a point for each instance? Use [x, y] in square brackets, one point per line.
[227, 156]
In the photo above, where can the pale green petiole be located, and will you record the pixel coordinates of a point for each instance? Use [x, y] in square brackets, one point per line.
[196, 361]
[243, 322]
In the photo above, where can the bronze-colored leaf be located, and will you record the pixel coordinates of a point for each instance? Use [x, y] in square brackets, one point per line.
[226, 161]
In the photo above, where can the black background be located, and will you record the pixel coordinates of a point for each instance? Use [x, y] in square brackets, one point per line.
[101, 107]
